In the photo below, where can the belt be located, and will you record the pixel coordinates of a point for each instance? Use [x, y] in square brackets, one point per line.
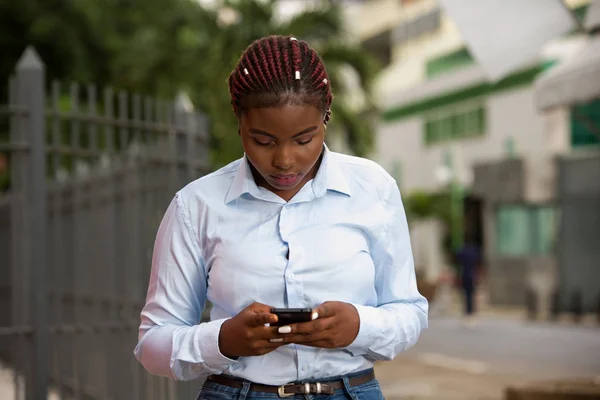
[292, 389]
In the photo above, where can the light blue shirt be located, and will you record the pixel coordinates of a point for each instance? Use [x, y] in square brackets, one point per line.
[226, 239]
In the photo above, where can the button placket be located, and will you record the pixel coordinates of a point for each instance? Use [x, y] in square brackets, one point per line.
[304, 363]
[285, 224]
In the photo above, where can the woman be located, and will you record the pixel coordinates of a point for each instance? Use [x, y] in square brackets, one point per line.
[291, 224]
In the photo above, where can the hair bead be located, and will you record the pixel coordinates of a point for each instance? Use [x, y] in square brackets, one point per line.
[277, 70]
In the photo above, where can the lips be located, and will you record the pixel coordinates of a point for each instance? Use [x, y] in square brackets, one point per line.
[285, 180]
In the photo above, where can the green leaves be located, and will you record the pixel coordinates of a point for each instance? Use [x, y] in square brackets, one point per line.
[355, 127]
[314, 25]
[337, 53]
[159, 47]
[322, 27]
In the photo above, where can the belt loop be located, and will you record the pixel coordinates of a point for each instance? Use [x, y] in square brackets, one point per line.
[244, 391]
[348, 387]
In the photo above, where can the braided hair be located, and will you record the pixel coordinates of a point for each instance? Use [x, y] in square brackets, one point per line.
[279, 70]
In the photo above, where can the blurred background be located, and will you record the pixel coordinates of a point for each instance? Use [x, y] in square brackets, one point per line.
[486, 113]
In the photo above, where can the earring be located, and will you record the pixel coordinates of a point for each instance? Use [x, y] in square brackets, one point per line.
[327, 116]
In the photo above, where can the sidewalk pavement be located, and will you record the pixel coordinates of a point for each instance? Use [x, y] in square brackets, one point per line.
[449, 303]
[413, 378]
[407, 378]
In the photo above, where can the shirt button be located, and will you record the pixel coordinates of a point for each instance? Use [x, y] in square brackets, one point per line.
[291, 275]
[305, 368]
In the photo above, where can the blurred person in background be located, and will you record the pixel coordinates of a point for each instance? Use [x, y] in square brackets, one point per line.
[469, 260]
[291, 224]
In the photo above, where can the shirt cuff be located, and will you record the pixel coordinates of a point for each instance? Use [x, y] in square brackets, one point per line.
[196, 351]
[368, 330]
[209, 349]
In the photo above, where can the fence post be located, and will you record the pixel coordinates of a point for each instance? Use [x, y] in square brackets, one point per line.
[31, 81]
[184, 110]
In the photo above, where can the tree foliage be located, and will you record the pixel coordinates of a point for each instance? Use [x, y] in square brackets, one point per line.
[159, 47]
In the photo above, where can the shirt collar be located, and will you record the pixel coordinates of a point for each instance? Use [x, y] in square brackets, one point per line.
[328, 177]
[243, 182]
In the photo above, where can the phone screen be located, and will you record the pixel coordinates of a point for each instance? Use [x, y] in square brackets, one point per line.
[291, 315]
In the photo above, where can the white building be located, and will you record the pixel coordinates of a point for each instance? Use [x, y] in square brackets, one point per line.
[440, 111]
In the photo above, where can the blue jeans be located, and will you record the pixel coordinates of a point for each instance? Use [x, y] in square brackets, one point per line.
[367, 391]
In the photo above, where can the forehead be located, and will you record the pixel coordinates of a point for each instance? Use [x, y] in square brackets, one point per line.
[288, 119]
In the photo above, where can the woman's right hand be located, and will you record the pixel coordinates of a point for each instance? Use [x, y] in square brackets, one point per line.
[246, 334]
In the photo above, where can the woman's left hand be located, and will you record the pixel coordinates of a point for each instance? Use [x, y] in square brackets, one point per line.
[337, 326]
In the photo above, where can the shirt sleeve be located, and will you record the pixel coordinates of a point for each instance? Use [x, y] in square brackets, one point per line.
[394, 325]
[172, 341]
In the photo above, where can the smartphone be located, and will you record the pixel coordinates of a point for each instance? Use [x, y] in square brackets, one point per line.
[288, 316]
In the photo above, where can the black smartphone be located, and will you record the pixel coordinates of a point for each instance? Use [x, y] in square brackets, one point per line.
[288, 316]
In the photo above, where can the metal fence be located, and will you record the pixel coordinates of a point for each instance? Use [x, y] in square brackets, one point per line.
[91, 173]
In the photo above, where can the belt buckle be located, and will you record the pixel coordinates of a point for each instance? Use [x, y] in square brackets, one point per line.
[281, 392]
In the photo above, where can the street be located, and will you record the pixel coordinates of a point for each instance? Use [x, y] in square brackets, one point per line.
[452, 360]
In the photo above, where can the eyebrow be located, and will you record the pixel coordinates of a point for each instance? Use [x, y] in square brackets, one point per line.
[261, 132]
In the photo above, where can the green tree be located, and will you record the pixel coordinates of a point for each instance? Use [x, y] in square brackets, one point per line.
[158, 47]
[134, 45]
[322, 26]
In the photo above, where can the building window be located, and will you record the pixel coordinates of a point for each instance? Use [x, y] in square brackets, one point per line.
[459, 124]
[585, 124]
[525, 230]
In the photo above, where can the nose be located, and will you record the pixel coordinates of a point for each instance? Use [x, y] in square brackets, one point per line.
[283, 158]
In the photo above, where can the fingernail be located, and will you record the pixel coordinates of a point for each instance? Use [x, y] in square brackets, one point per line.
[315, 315]
[279, 340]
[285, 329]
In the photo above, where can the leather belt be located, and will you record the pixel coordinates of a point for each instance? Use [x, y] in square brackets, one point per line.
[292, 389]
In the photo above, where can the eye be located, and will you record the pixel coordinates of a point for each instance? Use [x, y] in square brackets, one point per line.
[305, 141]
[262, 143]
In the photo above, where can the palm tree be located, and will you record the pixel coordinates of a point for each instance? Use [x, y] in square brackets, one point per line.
[322, 26]
[158, 47]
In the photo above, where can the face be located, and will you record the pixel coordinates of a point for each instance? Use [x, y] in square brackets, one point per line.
[284, 146]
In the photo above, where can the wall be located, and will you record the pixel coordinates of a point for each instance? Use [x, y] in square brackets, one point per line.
[408, 66]
[426, 238]
[510, 114]
[578, 251]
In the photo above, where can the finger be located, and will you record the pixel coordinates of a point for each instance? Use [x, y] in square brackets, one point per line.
[259, 308]
[272, 344]
[306, 338]
[265, 346]
[317, 325]
[260, 319]
[325, 310]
